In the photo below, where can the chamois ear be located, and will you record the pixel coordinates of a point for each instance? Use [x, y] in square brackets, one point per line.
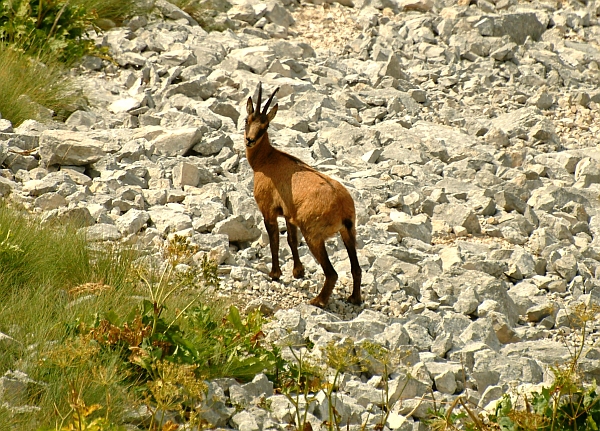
[249, 106]
[272, 112]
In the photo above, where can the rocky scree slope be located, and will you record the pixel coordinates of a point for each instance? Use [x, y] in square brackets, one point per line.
[466, 133]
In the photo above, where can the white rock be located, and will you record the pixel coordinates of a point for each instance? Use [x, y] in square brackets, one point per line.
[102, 232]
[170, 218]
[238, 228]
[446, 382]
[62, 147]
[124, 105]
[132, 221]
[186, 174]
[173, 143]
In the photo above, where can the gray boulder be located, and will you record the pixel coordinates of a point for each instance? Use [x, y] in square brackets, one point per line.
[170, 218]
[132, 221]
[526, 123]
[518, 26]
[457, 215]
[62, 147]
[173, 143]
[102, 232]
[418, 227]
[238, 228]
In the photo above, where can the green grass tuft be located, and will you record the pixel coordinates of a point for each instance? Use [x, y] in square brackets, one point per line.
[30, 87]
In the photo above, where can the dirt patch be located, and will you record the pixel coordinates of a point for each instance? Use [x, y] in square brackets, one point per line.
[327, 27]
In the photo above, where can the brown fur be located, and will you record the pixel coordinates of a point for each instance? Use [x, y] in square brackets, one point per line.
[307, 199]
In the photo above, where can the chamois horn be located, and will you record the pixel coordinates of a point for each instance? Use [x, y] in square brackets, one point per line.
[258, 99]
[269, 101]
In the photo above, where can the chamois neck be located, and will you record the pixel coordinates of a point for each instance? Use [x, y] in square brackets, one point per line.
[260, 152]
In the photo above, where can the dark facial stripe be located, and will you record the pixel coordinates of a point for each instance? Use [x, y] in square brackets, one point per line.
[260, 133]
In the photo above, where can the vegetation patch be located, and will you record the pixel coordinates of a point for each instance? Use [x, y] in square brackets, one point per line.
[101, 334]
[39, 39]
[569, 403]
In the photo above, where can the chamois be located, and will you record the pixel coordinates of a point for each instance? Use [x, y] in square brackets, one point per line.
[307, 199]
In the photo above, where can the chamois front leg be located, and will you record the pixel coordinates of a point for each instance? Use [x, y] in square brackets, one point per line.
[273, 231]
[292, 237]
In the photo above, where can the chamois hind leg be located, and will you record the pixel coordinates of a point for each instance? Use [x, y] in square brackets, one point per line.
[348, 234]
[292, 237]
[273, 231]
[318, 250]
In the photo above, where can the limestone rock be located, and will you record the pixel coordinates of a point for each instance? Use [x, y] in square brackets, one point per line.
[61, 147]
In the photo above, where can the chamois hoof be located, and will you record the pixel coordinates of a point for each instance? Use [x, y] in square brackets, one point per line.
[275, 275]
[356, 301]
[298, 272]
[318, 302]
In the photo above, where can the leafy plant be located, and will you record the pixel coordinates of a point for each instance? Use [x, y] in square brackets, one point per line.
[57, 26]
[230, 346]
[175, 387]
[80, 416]
[340, 358]
[60, 27]
[299, 381]
[447, 419]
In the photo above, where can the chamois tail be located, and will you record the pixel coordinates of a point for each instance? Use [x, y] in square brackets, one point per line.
[348, 224]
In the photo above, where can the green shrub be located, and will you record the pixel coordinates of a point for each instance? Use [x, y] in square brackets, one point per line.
[219, 346]
[60, 27]
[55, 26]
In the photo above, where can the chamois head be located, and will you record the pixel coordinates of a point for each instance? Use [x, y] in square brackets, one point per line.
[257, 122]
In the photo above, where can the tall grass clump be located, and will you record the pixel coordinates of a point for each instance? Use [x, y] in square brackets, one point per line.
[53, 256]
[28, 87]
[51, 279]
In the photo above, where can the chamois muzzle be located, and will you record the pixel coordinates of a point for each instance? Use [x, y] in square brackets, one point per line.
[251, 141]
